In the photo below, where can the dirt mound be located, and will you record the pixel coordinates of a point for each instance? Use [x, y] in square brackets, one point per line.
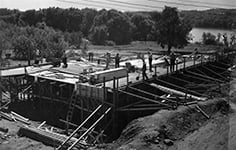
[169, 129]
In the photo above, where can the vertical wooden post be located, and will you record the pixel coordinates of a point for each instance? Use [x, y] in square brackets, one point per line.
[127, 78]
[0, 82]
[104, 90]
[167, 71]
[201, 58]
[184, 62]
[176, 65]
[114, 107]
[155, 71]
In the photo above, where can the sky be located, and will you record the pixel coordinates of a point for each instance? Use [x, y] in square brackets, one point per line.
[122, 5]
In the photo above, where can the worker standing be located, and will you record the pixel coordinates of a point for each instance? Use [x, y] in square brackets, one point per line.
[172, 61]
[117, 61]
[150, 61]
[108, 59]
[145, 77]
[64, 61]
[90, 56]
[37, 57]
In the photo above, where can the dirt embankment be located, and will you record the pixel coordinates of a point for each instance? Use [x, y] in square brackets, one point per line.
[182, 129]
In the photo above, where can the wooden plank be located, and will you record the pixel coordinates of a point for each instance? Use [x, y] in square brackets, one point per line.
[77, 129]
[172, 91]
[144, 98]
[109, 74]
[89, 129]
[90, 91]
[48, 138]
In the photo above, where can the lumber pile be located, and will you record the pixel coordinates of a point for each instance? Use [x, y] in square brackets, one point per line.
[109, 74]
[15, 117]
[48, 137]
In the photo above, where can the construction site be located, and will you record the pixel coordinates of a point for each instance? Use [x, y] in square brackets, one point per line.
[91, 104]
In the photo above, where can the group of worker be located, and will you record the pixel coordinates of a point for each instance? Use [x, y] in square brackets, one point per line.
[172, 63]
[144, 67]
[117, 58]
[108, 60]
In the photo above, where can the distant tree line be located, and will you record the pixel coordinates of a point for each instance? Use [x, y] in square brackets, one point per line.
[53, 30]
[213, 18]
[101, 27]
[26, 40]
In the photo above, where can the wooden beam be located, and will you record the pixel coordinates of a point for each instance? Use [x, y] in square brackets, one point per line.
[76, 126]
[172, 91]
[123, 107]
[91, 127]
[47, 137]
[213, 72]
[181, 88]
[144, 98]
[198, 78]
[154, 95]
[197, 74]
[144, 109]
[201, 111]
[77, 129]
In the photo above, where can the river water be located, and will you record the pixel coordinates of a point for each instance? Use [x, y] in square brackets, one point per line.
[197, 33]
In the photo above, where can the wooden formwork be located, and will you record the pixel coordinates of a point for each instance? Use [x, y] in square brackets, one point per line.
[125, 101]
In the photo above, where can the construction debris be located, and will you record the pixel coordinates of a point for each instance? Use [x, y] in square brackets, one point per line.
[48, 137]
[15, 117]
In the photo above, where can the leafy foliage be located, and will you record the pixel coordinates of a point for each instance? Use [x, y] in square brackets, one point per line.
[208, 39]
[172, 31]
[213, 18]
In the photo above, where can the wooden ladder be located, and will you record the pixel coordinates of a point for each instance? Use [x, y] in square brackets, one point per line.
[71, 109]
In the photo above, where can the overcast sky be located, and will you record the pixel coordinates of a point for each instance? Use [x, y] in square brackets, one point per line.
[123, 5]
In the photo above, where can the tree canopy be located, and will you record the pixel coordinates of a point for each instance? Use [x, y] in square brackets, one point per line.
[172, 30]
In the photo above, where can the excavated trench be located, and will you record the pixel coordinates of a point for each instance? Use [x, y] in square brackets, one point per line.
[200, 81]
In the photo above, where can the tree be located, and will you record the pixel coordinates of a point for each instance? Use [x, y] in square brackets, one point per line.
[74, 38]
[172, 31]
[24, 48]
[56, 45]
[143, 26]
[119, 27]
[87, 21]
[99, 35]
[209, 39]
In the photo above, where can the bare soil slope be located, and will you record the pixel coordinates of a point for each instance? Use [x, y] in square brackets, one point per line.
[182, 129]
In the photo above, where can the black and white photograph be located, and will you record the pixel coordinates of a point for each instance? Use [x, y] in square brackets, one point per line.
[117, 75]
